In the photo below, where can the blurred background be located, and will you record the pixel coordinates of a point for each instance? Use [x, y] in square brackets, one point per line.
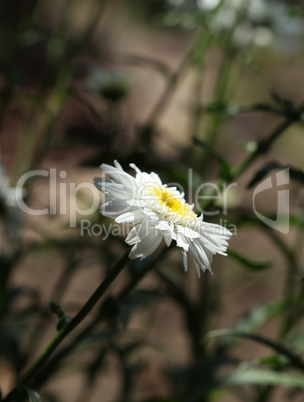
[210, 87]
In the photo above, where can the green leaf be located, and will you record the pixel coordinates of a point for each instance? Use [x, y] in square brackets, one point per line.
[260, 315]
[245, 376]
[252, 265]
[296, 12]
[276, 346]
[295, 340]
[56, 309]
[276, 362]
[256, 318]
[63, 319]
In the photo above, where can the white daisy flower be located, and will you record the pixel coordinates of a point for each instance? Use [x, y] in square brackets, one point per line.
[158, 212]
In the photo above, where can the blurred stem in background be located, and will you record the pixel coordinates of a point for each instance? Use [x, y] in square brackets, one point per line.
[114, 124]
[199, 56]
[62, 284]
[209, 291]
[60, 91]
[223, 83]
[149, 127]
[288, 318]
[30, 375]
[54, 363]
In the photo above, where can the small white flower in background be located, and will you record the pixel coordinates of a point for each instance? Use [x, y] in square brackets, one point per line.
[9, 204]
[207, 5]
[259, 22]
[159, 213]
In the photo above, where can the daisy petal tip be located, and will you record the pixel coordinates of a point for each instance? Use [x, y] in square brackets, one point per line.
[117, 165]
[210, 270]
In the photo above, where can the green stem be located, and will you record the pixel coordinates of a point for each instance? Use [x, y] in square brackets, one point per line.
[220, 95]
[197, 91]
[32, 372]
[172, 83]
[222, 84]
[96, 16]
[204, 314]
[264, 145]
[25, 150]
[67, 349]
[290, 312]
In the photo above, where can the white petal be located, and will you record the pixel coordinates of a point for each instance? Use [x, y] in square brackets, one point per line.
[121, 177]
[199, 257]
[215, 242]
[198, 269]
[151, 215]
[167, 237]
[133, 166]
[132, 217]
[185, 260]
[156, 178]
[194, 254]
[118, 165]
[139, 232]
[144, 177]
[115, 208]
[203, 256]
[132, 237]
[115, 190]
[182, 242]
[166, 230]
[209, 242]
[186, 231]
[216, 230]
[136, 203]
[146, 246]
[208, 253]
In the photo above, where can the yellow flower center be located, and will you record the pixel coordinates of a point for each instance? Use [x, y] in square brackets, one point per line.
[175, 205]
